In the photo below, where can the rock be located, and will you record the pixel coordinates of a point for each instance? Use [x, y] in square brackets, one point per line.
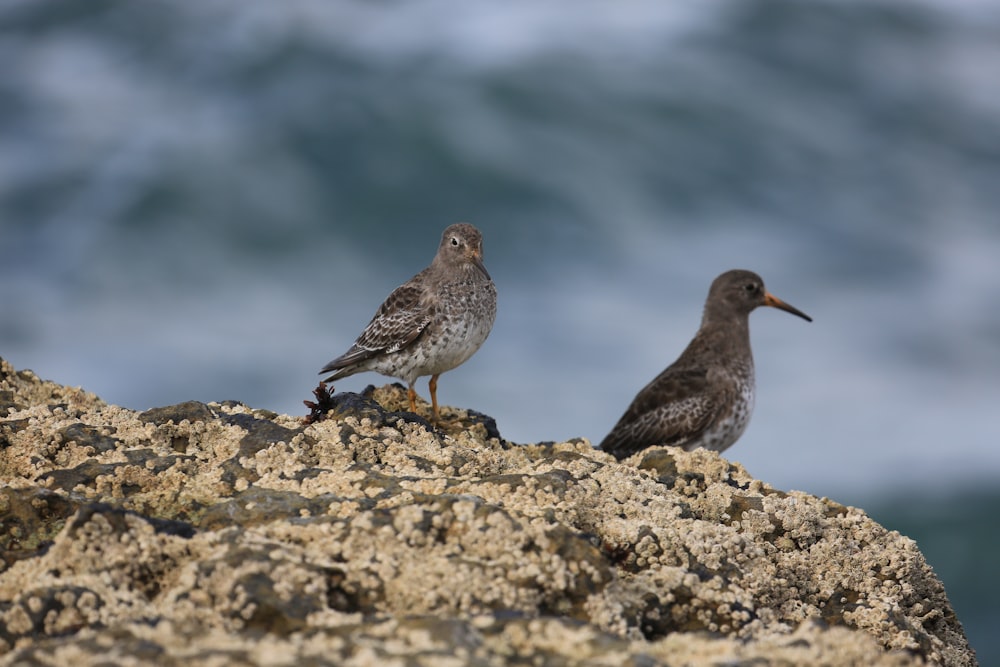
[218, 533]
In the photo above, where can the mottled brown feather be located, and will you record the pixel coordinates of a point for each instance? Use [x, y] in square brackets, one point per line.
[399, 321]
[674, 408]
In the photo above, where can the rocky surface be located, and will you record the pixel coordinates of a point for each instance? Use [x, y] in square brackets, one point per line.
[219, 534]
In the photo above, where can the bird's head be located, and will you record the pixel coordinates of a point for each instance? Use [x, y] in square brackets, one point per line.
[738, 292]
[462, 246]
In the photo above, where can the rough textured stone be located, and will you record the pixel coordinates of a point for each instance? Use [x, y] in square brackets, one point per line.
[218, 534]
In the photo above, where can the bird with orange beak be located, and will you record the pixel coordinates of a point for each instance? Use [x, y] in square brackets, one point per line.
[705, 398]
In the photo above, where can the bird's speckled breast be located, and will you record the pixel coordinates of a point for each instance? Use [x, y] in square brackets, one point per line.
[728, 428]
[464, 316]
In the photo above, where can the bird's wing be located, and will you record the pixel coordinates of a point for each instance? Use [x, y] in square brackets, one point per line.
[400, 319]
[673, 409]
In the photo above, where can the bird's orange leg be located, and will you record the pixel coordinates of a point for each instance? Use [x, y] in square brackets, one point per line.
[413, 398]
[433, 384]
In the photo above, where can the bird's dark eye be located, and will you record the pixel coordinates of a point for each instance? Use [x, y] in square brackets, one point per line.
[454, 241]
[750, 287]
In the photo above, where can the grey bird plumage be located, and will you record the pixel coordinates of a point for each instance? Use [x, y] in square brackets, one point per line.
[430, 324]
[706, 397]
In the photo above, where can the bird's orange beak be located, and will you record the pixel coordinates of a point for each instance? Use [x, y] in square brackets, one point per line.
[775, 302]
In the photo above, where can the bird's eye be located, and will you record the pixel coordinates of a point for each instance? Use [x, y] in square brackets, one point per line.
[750, 287]
[454, 241]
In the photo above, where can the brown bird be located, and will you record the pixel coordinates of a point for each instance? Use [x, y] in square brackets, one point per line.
[704, 399]
[430, 324]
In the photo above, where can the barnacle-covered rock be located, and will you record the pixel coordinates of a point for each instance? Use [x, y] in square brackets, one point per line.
[219, 532]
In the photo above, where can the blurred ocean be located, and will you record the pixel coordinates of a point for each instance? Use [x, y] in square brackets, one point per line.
[207, 201]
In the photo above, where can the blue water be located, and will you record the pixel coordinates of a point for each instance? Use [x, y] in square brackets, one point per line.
[208, 200]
